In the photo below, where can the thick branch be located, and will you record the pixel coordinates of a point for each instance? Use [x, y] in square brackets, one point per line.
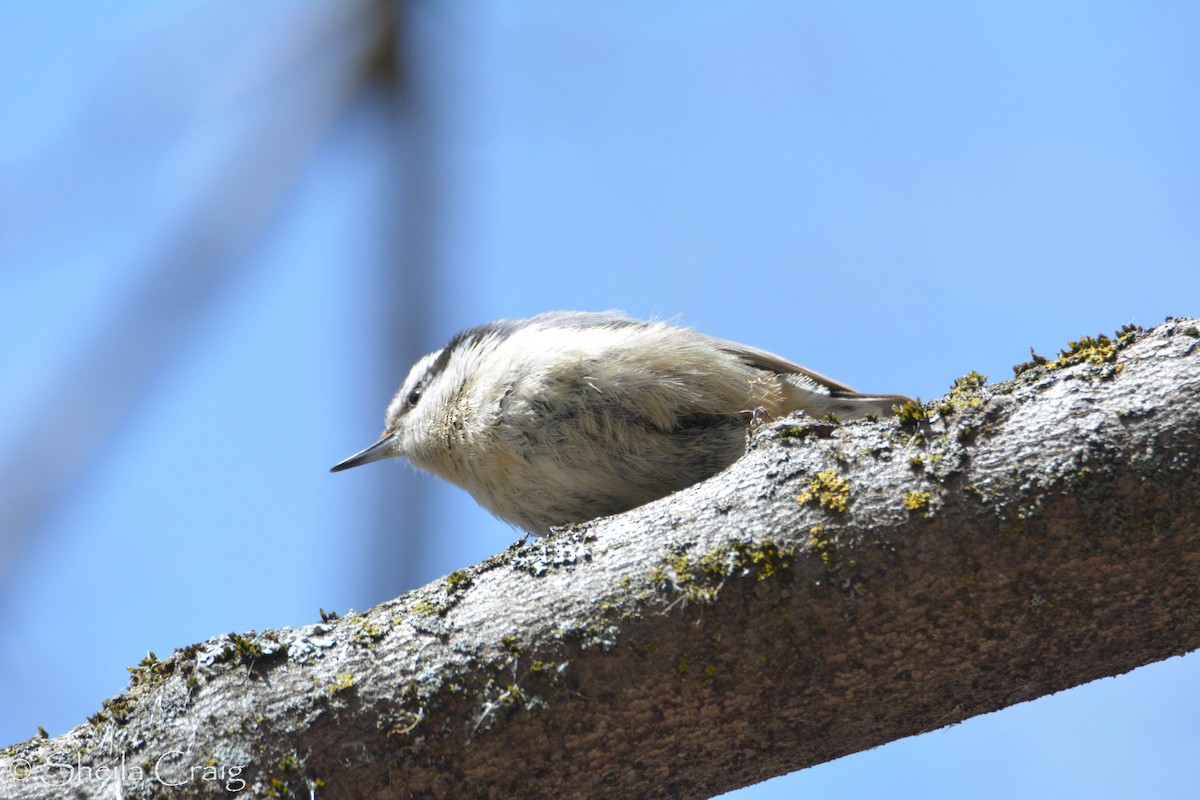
[838, 588]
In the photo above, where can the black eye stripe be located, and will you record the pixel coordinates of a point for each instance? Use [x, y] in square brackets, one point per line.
[466, 339]
[502, 329]
[438, 366]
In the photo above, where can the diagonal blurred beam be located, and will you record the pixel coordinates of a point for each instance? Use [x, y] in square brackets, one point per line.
[295, 98]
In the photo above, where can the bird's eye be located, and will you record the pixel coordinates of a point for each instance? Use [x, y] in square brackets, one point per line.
[413, 397]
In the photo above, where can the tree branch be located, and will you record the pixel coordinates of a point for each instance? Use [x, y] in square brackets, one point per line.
[838, 588]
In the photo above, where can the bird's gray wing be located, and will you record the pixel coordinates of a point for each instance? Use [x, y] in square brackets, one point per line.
[770, 362]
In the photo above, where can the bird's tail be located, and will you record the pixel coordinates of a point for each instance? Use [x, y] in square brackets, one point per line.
[855, 406]
[818, 401]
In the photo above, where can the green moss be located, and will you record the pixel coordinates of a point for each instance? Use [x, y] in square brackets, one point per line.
[254, 652]
[819, 542]
[768, 559]
[424, 607]
[915, 501]
[1094, 350]
[292, 767]
[458, 581]
[658, 577]
[1191, 330]
[827, 490]
[1098, 350]
[116, 709]
[912, 414]
[680, 565]
[500, 701]
[677, 572]
[1034, 361]
[189, 652]
[1127, 332]
[342, 682]
[699, 580]
[744, 559]
[437, 602]
[513, 695]
[277, 788]
[366, 633]
[841, 563]
[765, 560]
[796, 431]
[241, 648]
[966, 392]
[150, 671]
[289, 762]
[968, 384]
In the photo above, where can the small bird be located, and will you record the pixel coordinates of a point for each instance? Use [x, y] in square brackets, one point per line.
[568, 415]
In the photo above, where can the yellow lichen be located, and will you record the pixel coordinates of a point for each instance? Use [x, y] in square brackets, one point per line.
[915, 501]
[827, 491]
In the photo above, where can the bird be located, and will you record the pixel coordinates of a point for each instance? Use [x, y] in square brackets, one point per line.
[568, 416]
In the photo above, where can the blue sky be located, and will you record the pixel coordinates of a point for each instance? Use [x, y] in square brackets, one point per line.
[892, 195]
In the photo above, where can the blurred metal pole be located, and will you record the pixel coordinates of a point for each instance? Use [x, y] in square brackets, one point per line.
[403, 522]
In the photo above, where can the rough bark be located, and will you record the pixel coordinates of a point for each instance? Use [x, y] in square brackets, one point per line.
[840, 587]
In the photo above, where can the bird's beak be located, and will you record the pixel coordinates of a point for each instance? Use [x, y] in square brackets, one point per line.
[380, 450]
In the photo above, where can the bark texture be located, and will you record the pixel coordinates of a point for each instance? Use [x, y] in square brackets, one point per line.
[840, 587]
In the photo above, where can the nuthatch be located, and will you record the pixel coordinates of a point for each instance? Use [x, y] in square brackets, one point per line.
[568, 416]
